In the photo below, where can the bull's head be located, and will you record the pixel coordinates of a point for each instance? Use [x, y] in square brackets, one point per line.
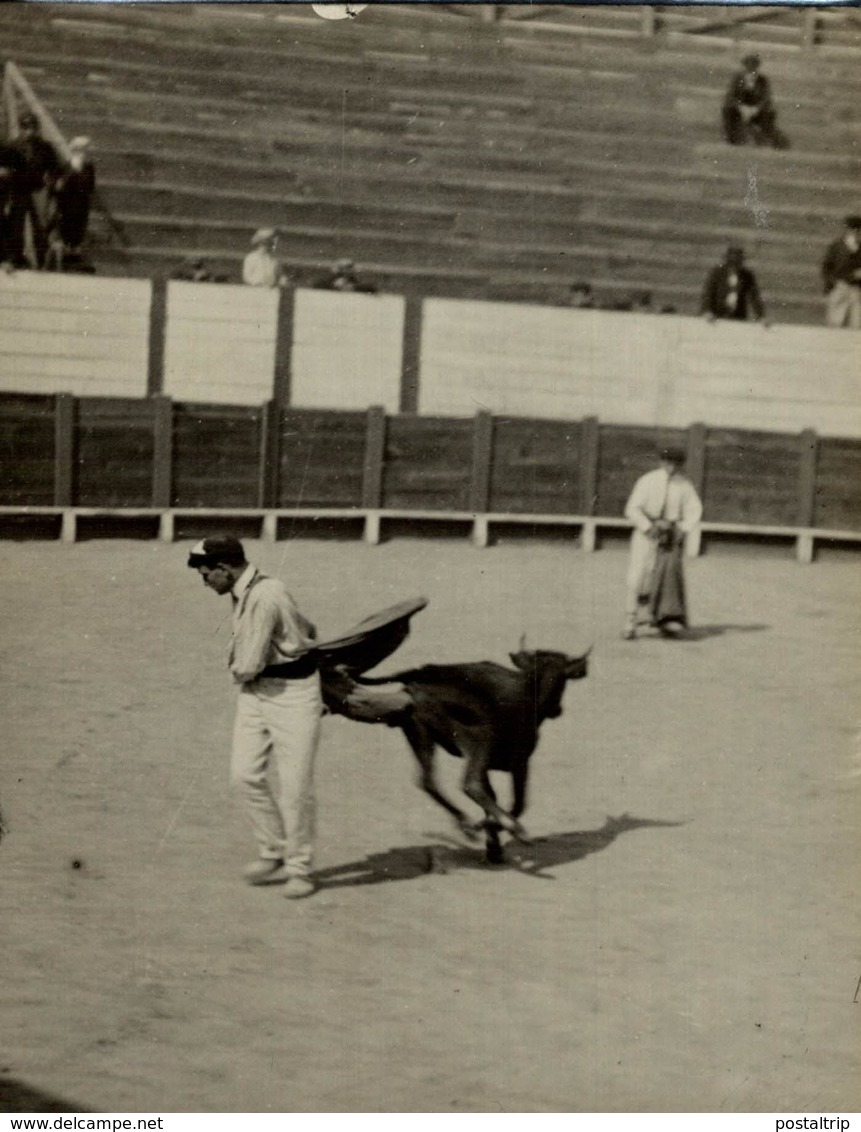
[548, 672]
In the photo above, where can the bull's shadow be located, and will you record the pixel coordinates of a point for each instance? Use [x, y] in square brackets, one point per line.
[410, 861]
[704, 632]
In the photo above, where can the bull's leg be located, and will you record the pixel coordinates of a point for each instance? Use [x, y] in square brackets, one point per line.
[424, 749]
[476, 785]
[518, 780]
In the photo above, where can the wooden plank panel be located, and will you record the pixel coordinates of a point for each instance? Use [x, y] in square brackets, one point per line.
[838, 485]
[347, 350]
[26, 450]
[322, 458]
[624, 454]
[73, 334]
[220, 343]
[216, 455]
[536, 467]
[428, 463]
[751, 477]
[517, 360]
[114, 451]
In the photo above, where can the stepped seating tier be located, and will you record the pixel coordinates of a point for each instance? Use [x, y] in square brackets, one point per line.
[499, 160]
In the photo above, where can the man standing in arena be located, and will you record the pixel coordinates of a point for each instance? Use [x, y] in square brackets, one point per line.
[37, 167]
[278, 712]
[664, 507]
[841, 275]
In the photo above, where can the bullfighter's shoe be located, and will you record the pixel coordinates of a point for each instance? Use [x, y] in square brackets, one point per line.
[265, 870]
[297, 887]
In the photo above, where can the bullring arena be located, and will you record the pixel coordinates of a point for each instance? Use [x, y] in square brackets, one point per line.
[681, 933]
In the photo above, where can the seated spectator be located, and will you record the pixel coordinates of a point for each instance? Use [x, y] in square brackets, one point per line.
[841, 276]
[642, 303]
[342, 277]
[580, 295]
[731, 290]
[73, 192]
[261, 268]
[193, 269]
[748, 112]
[36, 167]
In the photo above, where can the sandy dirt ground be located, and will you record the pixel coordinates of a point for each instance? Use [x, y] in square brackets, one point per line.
[691, 942]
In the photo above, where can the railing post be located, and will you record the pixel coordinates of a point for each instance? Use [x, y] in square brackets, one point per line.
[157, 332]
[589, 452]
[411, 354]
[648, 21]
[809, 24]
[268, 479]
[482, 454]
[64, 450]
[695, 460]
[806, 497]
[162, 453]
[375, 451]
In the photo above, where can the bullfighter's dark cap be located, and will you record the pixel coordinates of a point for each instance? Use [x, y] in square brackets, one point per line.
[673, 455]
[215, 549]
[853, 221]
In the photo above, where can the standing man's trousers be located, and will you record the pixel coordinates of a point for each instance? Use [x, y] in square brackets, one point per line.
[278, 719]
[843, 305]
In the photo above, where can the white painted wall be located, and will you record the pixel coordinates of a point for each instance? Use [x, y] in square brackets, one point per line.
[220, 343]
[75, 334]
[637, 369]
[346, 350]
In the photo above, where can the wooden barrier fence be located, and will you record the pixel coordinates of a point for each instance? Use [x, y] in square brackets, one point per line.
[83, 464]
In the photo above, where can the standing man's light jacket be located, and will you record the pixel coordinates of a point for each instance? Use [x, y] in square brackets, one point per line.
[267, 626]
[657, 495]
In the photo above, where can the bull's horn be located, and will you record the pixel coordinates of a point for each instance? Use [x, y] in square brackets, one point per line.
[586, 653]
[522, 645]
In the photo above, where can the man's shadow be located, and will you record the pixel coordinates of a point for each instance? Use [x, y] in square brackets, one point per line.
[447, 855]
[703, 632]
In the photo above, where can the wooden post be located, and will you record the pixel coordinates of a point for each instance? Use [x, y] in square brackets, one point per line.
[268, 480]
[648, 21]
[282, 376]
[64, 450]
[695, 463]
[807, 452]
[157, 330]
[589, 452]
[482, 456]
[809, 26]
[162, 454]
[375, 453]
[411, 355]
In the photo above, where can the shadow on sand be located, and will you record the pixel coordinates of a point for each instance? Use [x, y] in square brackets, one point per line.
[15, 1096]
[410, 861]
[703, 632]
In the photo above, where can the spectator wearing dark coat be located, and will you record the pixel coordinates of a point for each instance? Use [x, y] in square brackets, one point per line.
[73, 193]
[37, 167]
[731, 290]
[8, 164]
[748, 110]
[841, 276]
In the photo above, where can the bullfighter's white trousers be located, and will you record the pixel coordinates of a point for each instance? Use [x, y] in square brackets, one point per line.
[278, 720]
[843, 305]
[641, 563]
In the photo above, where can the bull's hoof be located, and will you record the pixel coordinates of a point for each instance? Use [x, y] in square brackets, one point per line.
[494, 855]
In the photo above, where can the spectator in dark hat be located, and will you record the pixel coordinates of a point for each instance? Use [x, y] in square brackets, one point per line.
[841, 276]
[342, 277]
[731, 290]
[748, 110]
[37, 167]
[278, 712]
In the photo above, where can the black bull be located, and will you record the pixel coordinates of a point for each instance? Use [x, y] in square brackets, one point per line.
[484, 713]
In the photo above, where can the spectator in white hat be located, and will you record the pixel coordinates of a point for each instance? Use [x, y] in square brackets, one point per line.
[261, 267]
